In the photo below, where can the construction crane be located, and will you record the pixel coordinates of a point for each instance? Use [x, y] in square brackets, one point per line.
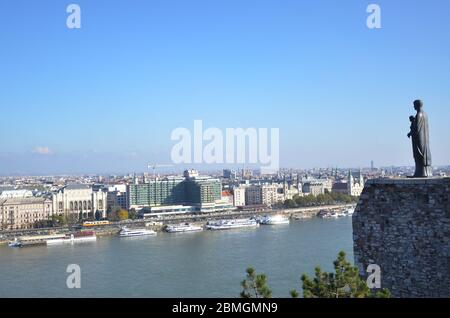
[155, 166]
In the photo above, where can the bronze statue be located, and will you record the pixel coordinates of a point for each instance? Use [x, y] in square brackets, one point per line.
[420, 142]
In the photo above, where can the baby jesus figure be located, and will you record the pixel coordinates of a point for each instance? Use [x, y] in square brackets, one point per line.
[411, 119]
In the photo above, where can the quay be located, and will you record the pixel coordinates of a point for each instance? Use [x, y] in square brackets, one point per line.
[157, 223]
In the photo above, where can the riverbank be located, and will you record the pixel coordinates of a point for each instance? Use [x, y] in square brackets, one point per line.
[158, 224]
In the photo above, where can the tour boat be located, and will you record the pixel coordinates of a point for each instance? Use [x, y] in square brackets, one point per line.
[126, 232]
[77, 237]
[350, 211]
[15, 243]
[324, 214]
[185, 227]
[274, 220]
[231, 224]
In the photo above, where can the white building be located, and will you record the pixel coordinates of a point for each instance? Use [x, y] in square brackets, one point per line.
[239, 196]
[80, 199]
[191, 173]
[11, 194]
[289, 192]
[22, 213]
[355, 186]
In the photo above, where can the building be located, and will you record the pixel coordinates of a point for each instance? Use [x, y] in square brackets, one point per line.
[80, 199]
[22, 213]
[340, 187]
[289, 190]
[200, 190]
[203, 193]
[168, 191]
[327, 184]
[117, 197]
[229, 174]
[313, 188]
[253, 195]
[355, 186]
[191, 173]
[10, 194]
[262, 194]
[227, 196]
[239, 196]
[270, 194]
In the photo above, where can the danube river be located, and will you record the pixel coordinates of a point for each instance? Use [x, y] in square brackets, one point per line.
[201, 264]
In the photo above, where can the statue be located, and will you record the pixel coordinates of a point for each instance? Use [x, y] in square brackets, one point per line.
[420, 141]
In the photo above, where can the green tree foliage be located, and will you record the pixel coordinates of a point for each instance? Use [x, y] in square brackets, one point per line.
[113, 214]
[345, 282]
[290, 204]
[326, 198]
[42, 224]
[132, 214]
[294, 293]
[255, 285]
[59, 220]
[98, 215]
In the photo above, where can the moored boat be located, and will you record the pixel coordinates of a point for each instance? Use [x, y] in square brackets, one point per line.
[232, 224]
[324, 214]
[126, 232]
[77, 237]
[275, 220]
[350, 211]
[184, 227]
[15, 243]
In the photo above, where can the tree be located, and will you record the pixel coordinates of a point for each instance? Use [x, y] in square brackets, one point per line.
[42, 224]
[294, 293]
[132, 214]
[345, 282]
[72, 218]
[321, 199]
[290, 204]
[113, 213]
[255, 285]
[122, 215]
[58, 220]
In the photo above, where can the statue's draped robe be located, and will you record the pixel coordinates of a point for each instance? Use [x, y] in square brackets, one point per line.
[421, 144]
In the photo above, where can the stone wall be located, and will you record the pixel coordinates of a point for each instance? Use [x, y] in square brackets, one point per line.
[403, 225]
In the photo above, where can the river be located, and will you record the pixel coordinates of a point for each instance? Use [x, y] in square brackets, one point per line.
[200, 264]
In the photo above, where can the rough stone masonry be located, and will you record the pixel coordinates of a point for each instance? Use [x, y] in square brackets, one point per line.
[403, 225]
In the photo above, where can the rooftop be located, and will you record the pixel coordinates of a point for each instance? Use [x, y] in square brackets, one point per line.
[77, 186]
[29, 200]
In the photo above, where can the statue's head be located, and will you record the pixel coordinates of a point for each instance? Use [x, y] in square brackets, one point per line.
[418, 104]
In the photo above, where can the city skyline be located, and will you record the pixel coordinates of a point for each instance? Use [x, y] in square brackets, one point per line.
[105, 98]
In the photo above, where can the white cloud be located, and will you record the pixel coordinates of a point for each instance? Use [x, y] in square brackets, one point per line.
[42, 150]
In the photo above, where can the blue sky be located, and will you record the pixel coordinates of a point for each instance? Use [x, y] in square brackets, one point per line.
[106, 97]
